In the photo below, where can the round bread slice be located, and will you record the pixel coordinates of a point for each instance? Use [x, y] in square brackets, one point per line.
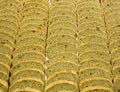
[30, 55]
[4, 68]
[62, 18]
[4, 75]
[45, 2]
[25, 73]
[30, 47]
[59, 38]
[62, 31]
[62, 7]
[61, 85]
[115, 54]
[39, 32]
[34, 11]
[26, 89]
[114, 45]
[60, 24]
[93, 54]
[62, 12]
[63, 56]
[35, 4]
[116, 70]
[30, 40]
[61, 65]
[115, 36]
[95, 62]
[117, 84]
[29, 63]
[9, 23]
[97, 89]
[7, 35]
[3, 85]
[60, 47]
[92, 31]
[92, 46]
[5, 59]
[96, 81]
[6, 49]
[89, 72]
[27, 82]
[69, 75]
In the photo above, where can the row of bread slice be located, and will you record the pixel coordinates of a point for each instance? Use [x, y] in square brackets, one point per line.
[34, 21]
[62, 64]
[95, 69]
[61, 31]
[61, 75]
[112, 16]
[27, 73]
[8, 26]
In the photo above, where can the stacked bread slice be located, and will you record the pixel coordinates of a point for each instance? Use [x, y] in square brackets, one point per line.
[62, 64]
[112, 16]
[95, 69]
[8, 26]
[27, 72]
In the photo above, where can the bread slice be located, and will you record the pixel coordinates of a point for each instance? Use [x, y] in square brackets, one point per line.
[4, 68]
[95, 62]
[116, 84]
[26, 89]
[93, 38]
[6, 41]
[30, 55]
[97, 89]
[30, 40]
[114, 45]
[88, 72]
[62, 18]
[8, 29]
[27, 82]
[35, 4]
[30, 47]
[3, 85]
[32, 20]
[37, 27]
[92, 46]
[115, 54]
[9, 23]
[56, 48]
[68, 56]
[3, 76]
[25, 73]
[62, 7]
[92, 31]
[45, 2]
[114, 36]
[62, 12]
[6, 49]
[29, 63]
[93, 54]
[96, 81]
[60, 24]
[5, 59]
[69, 75]
[116, 70]
[60, 85]
[38, 33]
[57, 38]
[61, 31]
[61, 65]
[7, 35]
